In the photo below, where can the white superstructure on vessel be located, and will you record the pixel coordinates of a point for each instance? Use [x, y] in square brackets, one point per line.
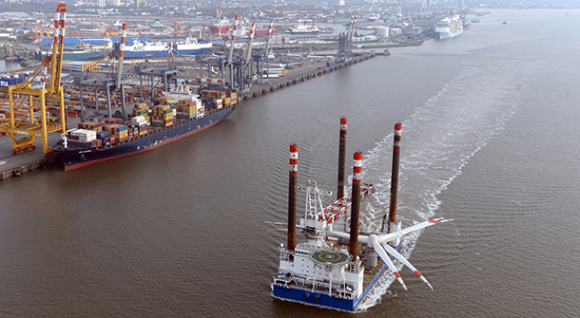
[449, 27]
[189, 46]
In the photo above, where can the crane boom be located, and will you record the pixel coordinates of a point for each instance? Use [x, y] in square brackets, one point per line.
[233, 39]
[269, 36]
[175, 21]
[250, 41]
[353, 26]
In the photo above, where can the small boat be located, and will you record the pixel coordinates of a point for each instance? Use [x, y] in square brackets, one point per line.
[466, 25]
[504, 22]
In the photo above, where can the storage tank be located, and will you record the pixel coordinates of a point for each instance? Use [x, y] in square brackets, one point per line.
[396, 31]
[382, 32]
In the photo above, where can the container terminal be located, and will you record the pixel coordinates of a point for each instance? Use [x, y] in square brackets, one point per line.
[97, 95]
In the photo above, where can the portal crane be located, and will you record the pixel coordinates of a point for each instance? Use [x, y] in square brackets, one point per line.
[176, 32]
[240, 64]
[110, 28]
[345, 40]
[20, 94]
[266, 52]
[111, 83]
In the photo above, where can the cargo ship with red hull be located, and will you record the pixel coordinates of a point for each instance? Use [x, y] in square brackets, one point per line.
[96, 142]
[335, 266]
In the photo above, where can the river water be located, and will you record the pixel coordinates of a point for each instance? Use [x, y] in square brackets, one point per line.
[490, 139]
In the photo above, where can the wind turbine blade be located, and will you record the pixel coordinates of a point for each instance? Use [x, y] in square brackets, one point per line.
[400, 257]
[388, 261]
[276, 223]
[399, 234]
[361, 238]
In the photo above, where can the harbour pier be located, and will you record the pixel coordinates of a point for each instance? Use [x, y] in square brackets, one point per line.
[16, 165]
[304, 73]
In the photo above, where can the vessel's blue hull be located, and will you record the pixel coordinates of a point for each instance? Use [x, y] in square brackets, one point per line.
[77, 158]
[162, 53]
[447, 35]
[324, 300]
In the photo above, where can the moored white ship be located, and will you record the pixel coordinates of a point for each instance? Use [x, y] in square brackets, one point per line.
[187, 47]
[449, 27]
[304, 29]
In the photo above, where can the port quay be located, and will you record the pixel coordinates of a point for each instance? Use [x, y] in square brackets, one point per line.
[17, 165]
[243, 72]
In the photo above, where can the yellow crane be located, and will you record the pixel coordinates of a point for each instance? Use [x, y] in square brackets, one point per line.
[23, 99]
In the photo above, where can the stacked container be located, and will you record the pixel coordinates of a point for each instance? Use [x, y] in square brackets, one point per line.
[163, 115]
[120, 132]
[105, 137]
[164, 100]
[84, 135]
[141, 110]
[187, 108]
[227, 102]
[140, 126]
[83, 138]
[213, 94]
[112, 120]
[91, 125]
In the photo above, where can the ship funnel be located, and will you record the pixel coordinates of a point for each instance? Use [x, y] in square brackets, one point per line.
[341, 159]
[292, 197]
[355, 207]
[394, 179]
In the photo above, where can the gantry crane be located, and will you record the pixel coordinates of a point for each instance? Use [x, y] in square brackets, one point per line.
[241, 65]
[23, 99]
[266, 52]
[111, 83]
[345, 41]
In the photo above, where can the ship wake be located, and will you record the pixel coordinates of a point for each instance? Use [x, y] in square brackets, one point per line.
[437, 143]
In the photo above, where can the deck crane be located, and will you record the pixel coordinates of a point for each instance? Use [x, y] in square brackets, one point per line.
[23, 99]
[176, 32]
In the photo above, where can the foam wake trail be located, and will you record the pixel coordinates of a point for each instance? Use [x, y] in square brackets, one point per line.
[437, 142]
